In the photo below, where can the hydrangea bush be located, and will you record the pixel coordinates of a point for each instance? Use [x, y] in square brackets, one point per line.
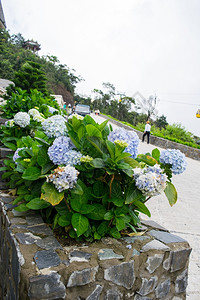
[87, 177]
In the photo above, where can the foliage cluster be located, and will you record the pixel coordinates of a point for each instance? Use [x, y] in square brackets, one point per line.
[14, 58]
[104, 199]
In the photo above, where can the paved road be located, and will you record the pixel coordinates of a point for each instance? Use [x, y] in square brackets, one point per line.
[183, 219]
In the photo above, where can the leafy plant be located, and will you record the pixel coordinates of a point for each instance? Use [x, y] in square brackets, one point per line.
[101, 193]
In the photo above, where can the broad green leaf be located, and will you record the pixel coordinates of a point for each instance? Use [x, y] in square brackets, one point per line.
[32, 173]
[120, 224]
[142, 208]
[50, 194]
[22, 207]
[109, 215]
[27, 140]
[115, 233]
[132, 162]
[156, 154]
[99, 189]
[117, 201]
[80, 223]
[122, 156]
[22, 190]
[64, 220]
[128, 172]
[171, 193]
[97, 236]
[124, 166]
[111, 149]
[97, 143]
[103, 228]
[46, 168]
[93, 131]
[76, 123]
[133, 194]
[97, 163]
[86, 209]
[77, 190]
[81, 131]
[42, 141]
[43, 157]
[76, 203]
[98, 212]
[37, 203]
[147, 159]
[103, 125]
[135, 218]
[10, 146]
[116, 191]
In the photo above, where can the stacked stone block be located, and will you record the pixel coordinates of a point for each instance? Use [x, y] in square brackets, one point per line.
[34, 265]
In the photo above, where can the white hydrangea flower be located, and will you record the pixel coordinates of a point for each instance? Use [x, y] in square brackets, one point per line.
[22, 119]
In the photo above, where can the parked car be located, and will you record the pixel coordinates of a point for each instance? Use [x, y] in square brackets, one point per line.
[82, 109]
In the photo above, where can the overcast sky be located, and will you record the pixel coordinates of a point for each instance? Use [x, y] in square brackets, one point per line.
[150, 46]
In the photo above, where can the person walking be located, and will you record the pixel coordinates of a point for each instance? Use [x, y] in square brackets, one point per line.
[146, 132]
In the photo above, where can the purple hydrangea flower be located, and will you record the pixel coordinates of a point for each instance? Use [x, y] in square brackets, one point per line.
[150, 180]
[175, 158]
[127, 136]
[64, 178]
[16, 155]
[54, 126]
[61, 152]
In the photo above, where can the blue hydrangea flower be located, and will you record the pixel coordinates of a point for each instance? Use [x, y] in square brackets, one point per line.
[22, 119]
[54, 126]
[61, 152]
[64, 178]
[52, 109]
[16, 155]
[175, 158]
[151, 181]
[127, 136]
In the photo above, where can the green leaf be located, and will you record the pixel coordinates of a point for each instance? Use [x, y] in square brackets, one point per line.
[109, 215]
[22, 190]
[81, 131]
[32, 173]
[42, 141]
[147, 159]
[77, 190]
[37, 203]
[116, 191]
[133, 194]
[111, 149]
[134, 217]
[120, 224]
[171, 193]
[128, 172]
[97, 163]
[98, 212]
[132, 162]
[86, 209]
[50, 194]
[99, 189]
[103, 228]
[117, 201]
[64, 220]
[156, 154]
[142, 208]
[115, 233]
[93, 131]
[103, 125]
[97, 236]
[122, 156]
[96, 142]
[22, 207]
[46, 168]
[80, 223]
[43, 157]
[76, 123]
[11, 146]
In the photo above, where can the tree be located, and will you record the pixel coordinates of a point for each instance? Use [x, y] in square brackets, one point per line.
[31, 77]
[161, 122]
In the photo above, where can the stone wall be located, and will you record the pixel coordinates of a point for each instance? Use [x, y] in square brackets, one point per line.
[34, 265]
[163, 143]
